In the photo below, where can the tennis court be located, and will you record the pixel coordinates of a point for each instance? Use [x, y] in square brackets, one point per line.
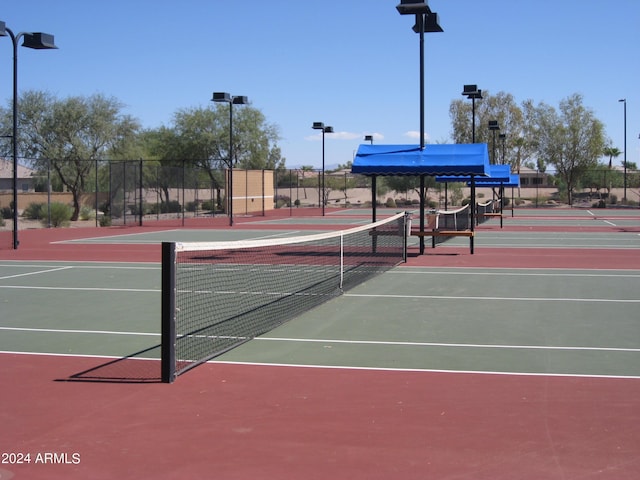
[519, 361]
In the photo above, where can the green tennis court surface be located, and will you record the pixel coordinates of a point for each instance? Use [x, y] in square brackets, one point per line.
[578, 322]
[520, 361]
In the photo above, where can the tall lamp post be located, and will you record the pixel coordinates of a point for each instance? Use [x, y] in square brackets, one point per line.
[368, 138]
[426, 22]
[472, 92]
[503, 137]
[624, 198]
[37, 41]
[327, 129]
[231, 100]
[494, 127]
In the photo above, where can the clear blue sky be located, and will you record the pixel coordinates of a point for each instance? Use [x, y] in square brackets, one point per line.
[352, 64]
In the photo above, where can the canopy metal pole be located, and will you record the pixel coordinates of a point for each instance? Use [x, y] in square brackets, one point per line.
[373, 198]
[473, 211]
[422, 208]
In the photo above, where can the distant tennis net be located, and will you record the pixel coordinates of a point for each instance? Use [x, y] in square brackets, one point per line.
[218, 295]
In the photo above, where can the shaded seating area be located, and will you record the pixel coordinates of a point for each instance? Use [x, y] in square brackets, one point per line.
[499, 177]
[467, 161]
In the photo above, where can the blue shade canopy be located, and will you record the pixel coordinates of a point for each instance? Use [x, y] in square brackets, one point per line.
[514, 181]
[496, 175]
[437, 159]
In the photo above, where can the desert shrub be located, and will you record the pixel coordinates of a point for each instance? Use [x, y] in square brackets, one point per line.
[208, 205]
[60, 215]
[35, 211]
[87, 213]
[391, 203]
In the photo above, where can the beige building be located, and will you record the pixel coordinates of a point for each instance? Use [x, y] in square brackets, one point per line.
[25, 177]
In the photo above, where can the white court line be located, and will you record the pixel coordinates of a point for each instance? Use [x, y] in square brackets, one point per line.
[108, 237]
[97, 266]
[349, 342]
[84, 289]
[517, 299]
[450, 345]
[35, 273]
[430, 370]
[405, 271]
[345, 367]
[59, 330]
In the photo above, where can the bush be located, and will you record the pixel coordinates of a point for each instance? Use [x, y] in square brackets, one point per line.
[60, 215]
[391, 203]
[6, 212]
[87, 213]
[105, 221]
[282, 201]
[35, 211]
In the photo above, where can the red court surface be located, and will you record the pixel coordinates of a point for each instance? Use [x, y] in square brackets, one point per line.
[245, 422]
[239, 422]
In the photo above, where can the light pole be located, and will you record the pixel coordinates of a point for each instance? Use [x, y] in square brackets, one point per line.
[368, 138]
[503, 137]
[472, 92]
[37, 41]
[624, 197]
[494, 127]
[327, 129]
[426, 21]
[231, 100]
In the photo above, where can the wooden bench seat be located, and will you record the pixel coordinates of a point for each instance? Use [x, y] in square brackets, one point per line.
[433, 233]
[443, 233]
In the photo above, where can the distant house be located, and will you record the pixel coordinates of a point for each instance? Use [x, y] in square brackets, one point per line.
[25, 177]
[532, 178]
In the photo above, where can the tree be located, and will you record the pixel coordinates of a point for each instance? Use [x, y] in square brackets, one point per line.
[611, 152]
[200, 137]
[571, 140]
[515, 123]
[72, 135]
[405, 183]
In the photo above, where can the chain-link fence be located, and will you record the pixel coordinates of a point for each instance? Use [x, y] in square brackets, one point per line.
[136, 192]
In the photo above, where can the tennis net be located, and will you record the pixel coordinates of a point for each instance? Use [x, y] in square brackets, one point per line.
[218, 295]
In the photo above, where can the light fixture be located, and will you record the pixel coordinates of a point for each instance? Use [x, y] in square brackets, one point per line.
[413, 7]
[38, 41]
[426, 22]
[494, 127]
[325, 129]
[472, 92]
[624, 100]
[231, 100]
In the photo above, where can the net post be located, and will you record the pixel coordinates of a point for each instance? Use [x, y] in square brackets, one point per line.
[406, 235]
[168, 343]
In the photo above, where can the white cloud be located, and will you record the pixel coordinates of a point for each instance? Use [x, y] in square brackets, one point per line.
[377, 137]
[415, 134]
[342, 136]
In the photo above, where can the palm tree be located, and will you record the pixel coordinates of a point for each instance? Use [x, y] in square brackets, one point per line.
[611, 152]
